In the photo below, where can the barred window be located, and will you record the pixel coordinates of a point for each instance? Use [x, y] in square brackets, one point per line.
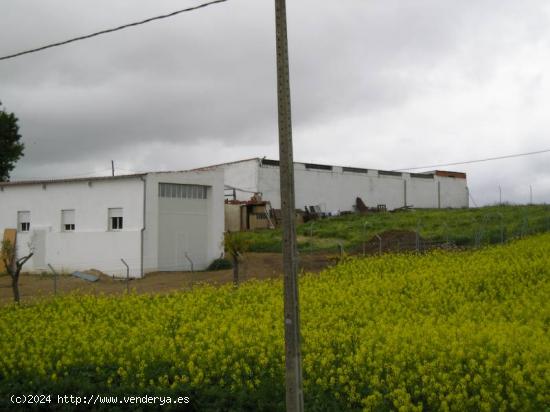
[68, 220]
[116, 218]
[180, 191]
[23, 221]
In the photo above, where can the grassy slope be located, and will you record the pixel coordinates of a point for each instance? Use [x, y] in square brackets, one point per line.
[461, 226]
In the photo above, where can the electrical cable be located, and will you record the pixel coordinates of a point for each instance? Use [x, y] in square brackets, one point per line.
[473, 161]
[125, 26]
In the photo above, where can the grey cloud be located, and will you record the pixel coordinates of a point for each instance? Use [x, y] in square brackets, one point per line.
[207, 79]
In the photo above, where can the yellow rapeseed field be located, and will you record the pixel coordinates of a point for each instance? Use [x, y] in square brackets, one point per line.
[444, 331]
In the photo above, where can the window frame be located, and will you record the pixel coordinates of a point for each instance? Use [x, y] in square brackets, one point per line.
[111, 219]
[66, 222]
[20, 221]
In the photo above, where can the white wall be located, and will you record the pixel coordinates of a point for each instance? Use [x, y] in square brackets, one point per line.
[91, 245]
[242, 175]
[421, 192]
[454, 192]
[336, 189]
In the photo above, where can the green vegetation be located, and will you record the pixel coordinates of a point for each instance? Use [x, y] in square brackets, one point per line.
[220, 264]
[441, 331]
[463, 227]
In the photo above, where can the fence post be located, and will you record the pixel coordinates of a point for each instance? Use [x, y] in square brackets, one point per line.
[311, 235]
[54, 279]
[525, 224]
[191, 262]
[365, 224]
[379, 243]
[417, 236]
[341, 247]
[501, 227]
[127, 275]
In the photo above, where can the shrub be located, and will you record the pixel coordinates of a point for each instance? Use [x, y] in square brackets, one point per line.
[220, 264]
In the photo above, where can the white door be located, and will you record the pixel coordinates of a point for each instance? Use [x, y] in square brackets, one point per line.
[39, 245]
[183, 230]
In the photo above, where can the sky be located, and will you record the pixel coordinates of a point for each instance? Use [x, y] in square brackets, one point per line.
[374, 84]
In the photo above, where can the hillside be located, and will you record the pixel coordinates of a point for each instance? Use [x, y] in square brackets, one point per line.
[462, 227]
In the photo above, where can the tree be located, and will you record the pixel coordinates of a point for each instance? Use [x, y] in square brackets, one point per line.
[235, 244]
[11, 147]
[13, 265]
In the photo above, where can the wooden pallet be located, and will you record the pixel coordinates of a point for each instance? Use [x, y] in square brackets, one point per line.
[11, 236]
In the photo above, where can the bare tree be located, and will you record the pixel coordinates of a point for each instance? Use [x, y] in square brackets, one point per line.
[235, 243]
[13, 265]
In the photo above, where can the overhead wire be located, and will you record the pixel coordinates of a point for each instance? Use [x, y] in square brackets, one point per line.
[125, 26]
[473, 161]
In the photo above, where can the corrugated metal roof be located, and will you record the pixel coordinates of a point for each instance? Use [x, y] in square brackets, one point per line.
[69, 180]
[272, 162]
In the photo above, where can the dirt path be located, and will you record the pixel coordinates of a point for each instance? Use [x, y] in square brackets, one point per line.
[255, 266]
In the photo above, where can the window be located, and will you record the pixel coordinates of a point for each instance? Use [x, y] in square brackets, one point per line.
[116, 220]
[23, 221]
[318, 167]
[179, 191]
[67, 220]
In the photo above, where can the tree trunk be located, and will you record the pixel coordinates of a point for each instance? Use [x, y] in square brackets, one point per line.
[15, 287]
[235, 270]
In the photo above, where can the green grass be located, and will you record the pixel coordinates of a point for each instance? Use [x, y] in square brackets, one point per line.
[464, 227]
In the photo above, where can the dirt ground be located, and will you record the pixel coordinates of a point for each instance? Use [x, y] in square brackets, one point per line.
[254, 266]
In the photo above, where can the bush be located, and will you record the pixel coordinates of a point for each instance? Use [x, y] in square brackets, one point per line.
[220, 264]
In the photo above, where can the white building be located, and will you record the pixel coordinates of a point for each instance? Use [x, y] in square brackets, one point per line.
[154, 221]
[335, 188]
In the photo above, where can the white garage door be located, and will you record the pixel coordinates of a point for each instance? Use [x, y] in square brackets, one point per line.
[183, 226]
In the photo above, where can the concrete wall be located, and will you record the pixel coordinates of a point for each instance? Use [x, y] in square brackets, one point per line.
[337, 189]
[421, 192]
[453, 192]
[232, 217]
[92, 244]
[243, 176]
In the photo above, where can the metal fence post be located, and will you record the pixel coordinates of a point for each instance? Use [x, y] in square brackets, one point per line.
[365, 224]
[54, 279]
[191, 262]
[417, 236]
[341, 248]
[127, 275]
[379, 243]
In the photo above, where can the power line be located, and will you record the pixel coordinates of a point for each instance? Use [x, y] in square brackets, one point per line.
[473, 161]
[125, 26]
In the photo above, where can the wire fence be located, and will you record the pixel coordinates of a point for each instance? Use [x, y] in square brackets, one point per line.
[488, 229]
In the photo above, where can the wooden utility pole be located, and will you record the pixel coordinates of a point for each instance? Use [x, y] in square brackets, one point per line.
[293, 355]
[112, 167]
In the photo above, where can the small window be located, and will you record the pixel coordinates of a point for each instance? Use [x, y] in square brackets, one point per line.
[182, 191]
[116, 220]
[67, 220]
[24, 221]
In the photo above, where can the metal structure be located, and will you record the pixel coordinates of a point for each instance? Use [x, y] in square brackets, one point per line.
[127, 275]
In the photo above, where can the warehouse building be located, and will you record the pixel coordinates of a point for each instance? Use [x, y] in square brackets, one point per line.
[335, 188]
[154, 221]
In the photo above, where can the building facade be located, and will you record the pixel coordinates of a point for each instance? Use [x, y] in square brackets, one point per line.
[154, 221]
[335, 188]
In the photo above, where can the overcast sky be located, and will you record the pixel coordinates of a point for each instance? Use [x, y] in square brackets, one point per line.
[377, 84]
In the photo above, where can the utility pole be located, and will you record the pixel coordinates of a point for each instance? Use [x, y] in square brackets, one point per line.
[293, 354]
[499, 195]
[112, 167]
[530, 194]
